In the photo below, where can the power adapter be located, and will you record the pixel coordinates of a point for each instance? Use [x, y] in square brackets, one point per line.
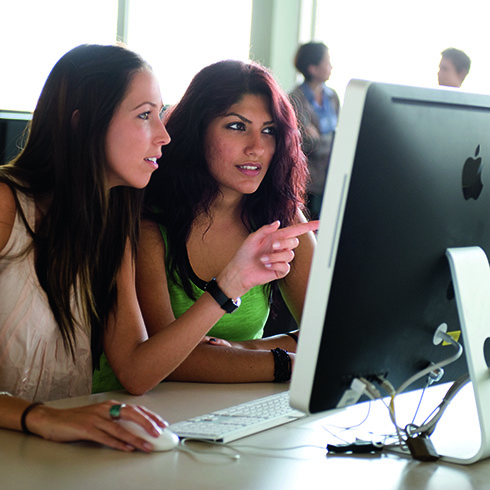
[358, 447]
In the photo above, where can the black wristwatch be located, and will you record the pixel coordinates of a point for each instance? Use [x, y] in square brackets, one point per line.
[228, 304]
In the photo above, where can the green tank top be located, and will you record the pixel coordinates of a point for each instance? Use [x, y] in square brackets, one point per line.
[245, 323]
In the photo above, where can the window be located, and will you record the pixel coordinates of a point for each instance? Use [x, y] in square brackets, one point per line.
[401, 42]
[187, 36]
[176, 38]
[34, 34]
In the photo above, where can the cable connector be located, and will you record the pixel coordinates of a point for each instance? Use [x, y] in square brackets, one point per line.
[358, 386]
[370, 390]
[386, 385]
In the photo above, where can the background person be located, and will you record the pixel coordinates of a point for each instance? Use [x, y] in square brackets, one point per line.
[453, 68]
[317, 107]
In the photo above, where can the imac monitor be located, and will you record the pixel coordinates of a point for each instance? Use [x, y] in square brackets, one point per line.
[409, 178]
[12, 126]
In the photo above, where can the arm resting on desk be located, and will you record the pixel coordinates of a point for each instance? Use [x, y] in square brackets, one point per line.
[222, 364]
[89, 423]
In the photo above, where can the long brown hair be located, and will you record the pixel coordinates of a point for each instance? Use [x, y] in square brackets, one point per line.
[183, 186]
[81, 240]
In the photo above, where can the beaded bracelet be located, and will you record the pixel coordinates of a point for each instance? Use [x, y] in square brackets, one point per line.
[25, 430]
[282, 365]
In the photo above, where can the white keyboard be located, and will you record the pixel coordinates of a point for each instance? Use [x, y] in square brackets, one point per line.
[239, 421]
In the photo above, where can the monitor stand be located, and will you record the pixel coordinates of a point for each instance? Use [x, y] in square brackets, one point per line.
[471, 278]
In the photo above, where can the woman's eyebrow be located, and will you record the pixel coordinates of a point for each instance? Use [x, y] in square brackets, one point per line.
[152, 104]
[244, 119]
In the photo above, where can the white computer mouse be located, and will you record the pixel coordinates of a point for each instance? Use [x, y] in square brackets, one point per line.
[166, 441]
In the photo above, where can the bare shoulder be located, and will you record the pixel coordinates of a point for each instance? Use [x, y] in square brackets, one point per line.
[6, 196]
[151, 249]
[300, 216]
[149, 226]
[8, 210]
[150, 236]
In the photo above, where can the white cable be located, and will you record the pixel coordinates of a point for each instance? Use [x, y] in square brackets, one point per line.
[459, 350]
[232, 453]
[430, 368]
[429, 425]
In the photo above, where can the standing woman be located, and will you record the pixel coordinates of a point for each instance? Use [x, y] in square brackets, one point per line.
[317, 107]
[234, 164]
[69, 216]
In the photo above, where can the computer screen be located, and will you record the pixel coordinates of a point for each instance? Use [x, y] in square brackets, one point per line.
[408, 179]
[12, 126]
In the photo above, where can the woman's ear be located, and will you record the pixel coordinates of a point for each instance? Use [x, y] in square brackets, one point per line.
[312, 70]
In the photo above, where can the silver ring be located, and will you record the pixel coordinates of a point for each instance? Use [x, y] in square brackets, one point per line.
[115, 411]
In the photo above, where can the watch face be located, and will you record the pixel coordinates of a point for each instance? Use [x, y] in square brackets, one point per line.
[231, 305]
[236, 302]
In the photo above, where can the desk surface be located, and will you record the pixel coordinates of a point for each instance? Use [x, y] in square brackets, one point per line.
[292, 456]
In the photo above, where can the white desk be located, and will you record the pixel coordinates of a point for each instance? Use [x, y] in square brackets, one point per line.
[28, 462]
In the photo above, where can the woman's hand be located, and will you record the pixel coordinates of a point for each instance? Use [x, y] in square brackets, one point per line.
[94, 423]
[264, 256]
[284, 341]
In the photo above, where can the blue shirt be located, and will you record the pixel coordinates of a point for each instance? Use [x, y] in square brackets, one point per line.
[325, 112]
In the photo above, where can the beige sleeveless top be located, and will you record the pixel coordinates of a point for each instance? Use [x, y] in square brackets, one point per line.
[34, 363]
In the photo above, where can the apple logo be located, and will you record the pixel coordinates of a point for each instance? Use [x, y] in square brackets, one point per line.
[472, 183]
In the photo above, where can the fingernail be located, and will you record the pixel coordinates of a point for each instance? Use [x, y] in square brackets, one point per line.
[264, 259]
[276, 245]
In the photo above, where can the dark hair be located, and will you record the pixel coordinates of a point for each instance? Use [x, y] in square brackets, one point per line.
[183, 187]
[82, 238]
[459, 59]
[309, 54]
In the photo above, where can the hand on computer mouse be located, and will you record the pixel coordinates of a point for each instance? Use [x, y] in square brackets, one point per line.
[166, 441]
